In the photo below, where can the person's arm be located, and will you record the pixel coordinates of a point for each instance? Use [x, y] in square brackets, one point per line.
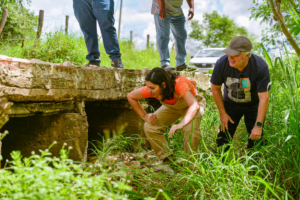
[162, 9]
[190, 114]
[133, 98]
[191, 10]
[261, 114]
[224, 117]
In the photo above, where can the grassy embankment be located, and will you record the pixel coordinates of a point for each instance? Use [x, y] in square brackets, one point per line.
[274, 175]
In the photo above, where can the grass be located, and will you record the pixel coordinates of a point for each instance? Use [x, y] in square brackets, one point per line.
[58, 48]
[125, 171]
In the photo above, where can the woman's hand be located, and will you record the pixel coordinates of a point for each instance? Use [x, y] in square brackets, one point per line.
[174, 128]
[151, 119]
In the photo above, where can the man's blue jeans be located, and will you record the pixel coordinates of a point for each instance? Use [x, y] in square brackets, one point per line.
[177, 25]
[87, 13]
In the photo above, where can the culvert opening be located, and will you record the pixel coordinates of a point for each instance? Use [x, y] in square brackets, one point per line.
[26, 134]
[109, 118]
[31, 133]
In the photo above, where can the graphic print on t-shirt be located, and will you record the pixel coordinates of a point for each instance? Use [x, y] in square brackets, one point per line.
[235, 92]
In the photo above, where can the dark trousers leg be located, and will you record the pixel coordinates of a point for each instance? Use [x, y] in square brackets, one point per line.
[236, 115]
[250, 119]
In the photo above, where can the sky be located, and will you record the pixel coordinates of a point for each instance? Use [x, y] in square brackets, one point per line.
[136, 17]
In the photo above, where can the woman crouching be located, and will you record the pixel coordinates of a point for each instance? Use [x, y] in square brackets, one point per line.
[178, 97]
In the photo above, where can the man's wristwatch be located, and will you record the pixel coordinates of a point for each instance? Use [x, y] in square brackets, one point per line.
[258, 124]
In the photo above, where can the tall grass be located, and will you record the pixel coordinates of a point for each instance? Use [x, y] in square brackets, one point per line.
[271, 172]
[58, 48]
[283, 122]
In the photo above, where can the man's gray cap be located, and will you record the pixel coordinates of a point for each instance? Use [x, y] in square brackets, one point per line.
[237, 45]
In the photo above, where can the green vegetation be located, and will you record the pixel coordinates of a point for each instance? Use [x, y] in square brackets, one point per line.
[216, 30]
[261, 11]
[271, 172]
[43, 177]
[21, 22]
[58, 48]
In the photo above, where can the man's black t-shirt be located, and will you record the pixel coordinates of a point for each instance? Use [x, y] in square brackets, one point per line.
[243, 87]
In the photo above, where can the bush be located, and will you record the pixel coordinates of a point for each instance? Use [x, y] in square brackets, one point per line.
[44, 177]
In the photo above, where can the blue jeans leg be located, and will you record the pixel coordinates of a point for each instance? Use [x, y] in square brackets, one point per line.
[104, 13]
[162, 38]
[84, 14]
[87, 12]
[180, 34]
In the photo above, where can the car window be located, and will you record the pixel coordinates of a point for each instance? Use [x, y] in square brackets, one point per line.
[210, 53]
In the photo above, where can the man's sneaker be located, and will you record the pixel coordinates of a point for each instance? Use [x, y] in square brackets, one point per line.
[117, 64]
[168, 67]
[93, 62]
[182, 67]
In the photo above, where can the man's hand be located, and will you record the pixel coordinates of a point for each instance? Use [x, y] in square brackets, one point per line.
[151, 119]
[256, 133]
[174, 128]
[191, 13]
[162, 13]
[225, 118]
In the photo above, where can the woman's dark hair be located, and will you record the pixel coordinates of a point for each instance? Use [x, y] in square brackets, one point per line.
[158, 76]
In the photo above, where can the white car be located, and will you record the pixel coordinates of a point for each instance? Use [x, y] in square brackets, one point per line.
[206, 59]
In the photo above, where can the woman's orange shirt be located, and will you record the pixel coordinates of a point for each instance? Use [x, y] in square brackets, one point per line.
[181, 87]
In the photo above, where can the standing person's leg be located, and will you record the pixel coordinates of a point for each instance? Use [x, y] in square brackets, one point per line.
[84, 14]
[154, 133]
[104, 12]
[250, 119]
[179, 31]
[225, 136]
[192, 133]
[162, 39]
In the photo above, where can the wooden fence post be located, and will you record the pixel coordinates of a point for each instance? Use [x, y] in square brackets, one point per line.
[3, 20]
[67, 24]
[131, 38]
[148, 40]
[40, 28]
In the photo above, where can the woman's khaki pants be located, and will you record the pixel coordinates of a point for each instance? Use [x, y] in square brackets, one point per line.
[167, 115]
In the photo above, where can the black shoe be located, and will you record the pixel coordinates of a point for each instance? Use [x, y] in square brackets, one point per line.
[168, 67]
[117, 64]
[93, 62]
[182, 67]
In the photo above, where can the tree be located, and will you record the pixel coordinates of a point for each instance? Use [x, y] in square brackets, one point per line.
[216, 30]
[20, 22]
[281, 20]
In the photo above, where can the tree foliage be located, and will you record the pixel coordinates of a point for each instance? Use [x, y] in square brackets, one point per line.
[261, 11]
[216, 30]
[20, 23]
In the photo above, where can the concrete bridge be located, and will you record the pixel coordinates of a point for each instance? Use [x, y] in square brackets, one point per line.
[68, 104]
